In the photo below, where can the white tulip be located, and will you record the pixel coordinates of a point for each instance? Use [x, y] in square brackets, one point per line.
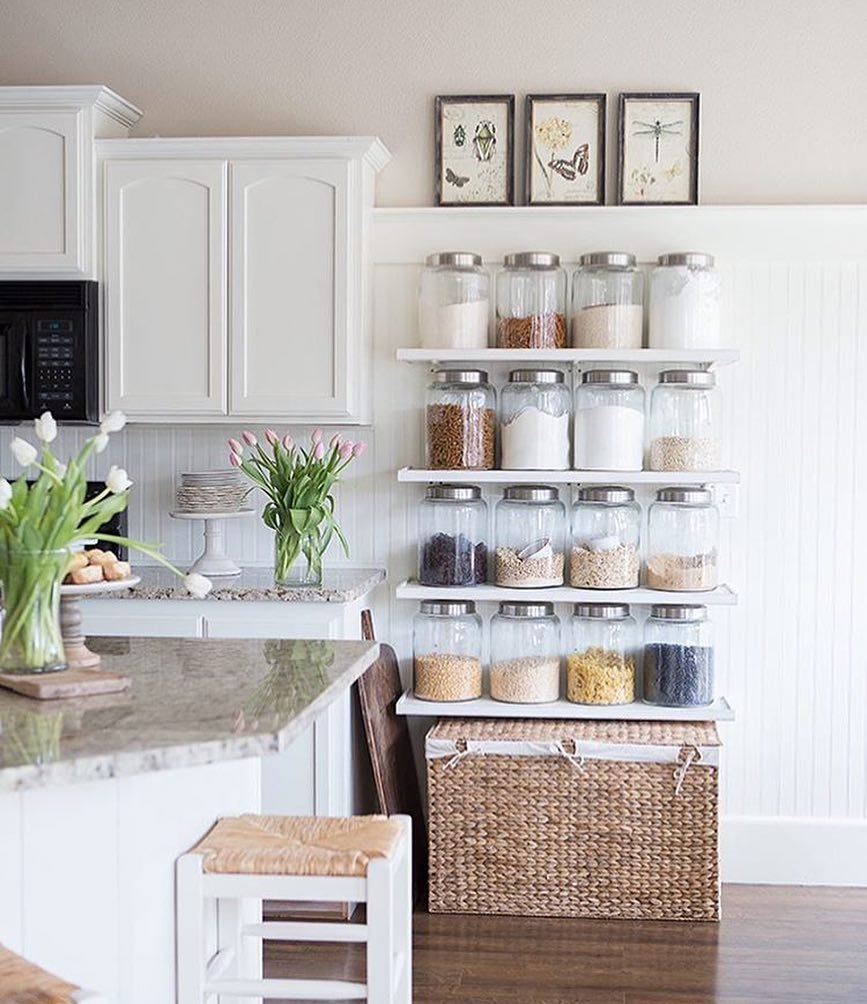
[197, 585]
[60, 470]
[101, 440]
[46, 427]
[113, 422]
[117, 480]
[5, 493]
[25, 453]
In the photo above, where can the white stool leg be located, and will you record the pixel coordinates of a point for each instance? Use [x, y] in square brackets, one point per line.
[189, 928]
[233, 915]
[380, 931]
[403, 915]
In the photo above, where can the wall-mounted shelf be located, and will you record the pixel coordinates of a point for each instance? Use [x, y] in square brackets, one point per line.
[486, 707]
[411, 590]
[420, 475]
[704, 358]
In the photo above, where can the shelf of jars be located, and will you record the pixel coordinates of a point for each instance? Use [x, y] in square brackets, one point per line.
[722, 595]
[701, 358]
[426, 475]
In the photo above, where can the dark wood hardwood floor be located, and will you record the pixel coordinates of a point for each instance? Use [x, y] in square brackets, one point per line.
[774, 944]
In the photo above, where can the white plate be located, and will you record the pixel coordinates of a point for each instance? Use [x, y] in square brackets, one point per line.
[94, 588]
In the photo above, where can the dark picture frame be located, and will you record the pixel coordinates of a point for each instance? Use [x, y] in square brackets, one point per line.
[631, 179]
[563, 166]
[455, 184]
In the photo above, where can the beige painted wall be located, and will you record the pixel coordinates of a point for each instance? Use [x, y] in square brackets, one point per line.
[782, 81]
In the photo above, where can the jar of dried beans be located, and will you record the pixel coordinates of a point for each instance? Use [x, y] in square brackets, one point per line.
[454, 301]
[461, 421]
[453, 526]
[682, 540]
[535, 415]
[600, 666]
[685, 296]
[525, 653]
[607, 302]
[678, 663]
[447, 651]
[609, 421]
[530, 537]
[684, 425]
[606, 527]
[531, 302]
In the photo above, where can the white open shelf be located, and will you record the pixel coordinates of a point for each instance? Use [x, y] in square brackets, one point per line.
[697, 357]
[485, 707]
[409, 589]
[424, 475]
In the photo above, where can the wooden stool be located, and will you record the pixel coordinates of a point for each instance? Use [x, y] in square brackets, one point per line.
[21, 980]
[246, 859]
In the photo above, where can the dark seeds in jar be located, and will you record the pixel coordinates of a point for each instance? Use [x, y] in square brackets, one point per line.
[452, 561]
[678, 676]
[460, 437]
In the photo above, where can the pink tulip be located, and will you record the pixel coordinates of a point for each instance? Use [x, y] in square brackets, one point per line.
[272, 436]
[235, 459]
[358, 449]
[345, 451]
[288, 443]
[319, 451]
[249, 438]
[336, 439]
[317, 436]
[235, 446]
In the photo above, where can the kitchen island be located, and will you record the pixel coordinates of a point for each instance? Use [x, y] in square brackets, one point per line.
[99, 795]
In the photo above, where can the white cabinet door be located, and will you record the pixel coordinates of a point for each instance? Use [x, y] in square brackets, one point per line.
[40, 190]
[113, 618]
[293, 289]
[165, 288]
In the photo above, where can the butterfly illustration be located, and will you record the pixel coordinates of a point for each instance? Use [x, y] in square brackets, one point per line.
[453, 179]
[570, 169]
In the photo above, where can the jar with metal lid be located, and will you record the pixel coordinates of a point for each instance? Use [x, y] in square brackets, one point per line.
[609, 421]
[525, 653]
[682, 540]
[607, 301]
[685, 298]
[678, 662]
[452, 529]
[531, 302]
[684, 422]
[530, 537]
[600, 666]
[606, 528]
[535, 415]
[447, 651]
[454, 301]
[461, 412]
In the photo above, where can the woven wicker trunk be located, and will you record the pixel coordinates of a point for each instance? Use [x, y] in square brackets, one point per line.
[566, 829]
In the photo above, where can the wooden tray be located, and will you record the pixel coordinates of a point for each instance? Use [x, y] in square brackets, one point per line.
[67, 683]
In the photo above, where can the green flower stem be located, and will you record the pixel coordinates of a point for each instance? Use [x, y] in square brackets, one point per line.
[31, 638]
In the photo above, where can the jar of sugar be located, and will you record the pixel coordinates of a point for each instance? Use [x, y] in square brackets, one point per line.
[535, 415]
[609, 421]
[607, 302]
[454, 301]
[685, 295]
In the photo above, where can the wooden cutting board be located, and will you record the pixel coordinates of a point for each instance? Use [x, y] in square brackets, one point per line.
[67, 683]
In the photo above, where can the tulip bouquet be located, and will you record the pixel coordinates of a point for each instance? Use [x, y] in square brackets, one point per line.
[39, 523]
[300, 506]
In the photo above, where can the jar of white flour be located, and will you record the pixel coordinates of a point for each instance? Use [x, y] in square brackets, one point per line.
[609, 421]
[685, 294]
[454, 301]
[535, 415]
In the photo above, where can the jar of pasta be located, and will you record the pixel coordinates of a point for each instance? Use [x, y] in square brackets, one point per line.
[531, 302]
[600, 666]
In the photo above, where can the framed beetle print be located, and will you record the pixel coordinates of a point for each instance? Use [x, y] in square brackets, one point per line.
[564, 155]
[475, 140]
[658, 149]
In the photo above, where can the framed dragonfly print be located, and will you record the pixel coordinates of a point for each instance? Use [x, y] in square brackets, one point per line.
[564, 150]
[475, 140]
[658, 149]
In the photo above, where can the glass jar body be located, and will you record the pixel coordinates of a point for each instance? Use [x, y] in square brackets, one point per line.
[452, 548]
[602, 660]
[605, 551]
[684, 428]
[609, 427]
[447, 656]
[682, 546]
[525, 659]
[454, 307]
[530, 542]
[31, 641]
[684, 307]
[607, 307]
[531, 308]
[535, 421]
[678, 663]
[461, 426]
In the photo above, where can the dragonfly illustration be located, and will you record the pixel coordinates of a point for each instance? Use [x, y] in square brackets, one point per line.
[657, 130]
[568, 169]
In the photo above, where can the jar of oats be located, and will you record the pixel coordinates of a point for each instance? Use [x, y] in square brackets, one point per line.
[461, 421]
[607, 302]
[530, 537]
[531, 302]
[606, 526]
[525, 653]
[600, 666]
[683, 540]
[684, 422]
[447, 651]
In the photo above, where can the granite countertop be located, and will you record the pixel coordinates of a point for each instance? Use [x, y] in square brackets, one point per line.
[191, 701]
[339, 585]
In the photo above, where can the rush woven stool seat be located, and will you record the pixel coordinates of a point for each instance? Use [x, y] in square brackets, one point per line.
[243, 860]
[22, 982]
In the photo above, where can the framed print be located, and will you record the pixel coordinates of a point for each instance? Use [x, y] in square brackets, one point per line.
[565, 150]
[658, 150]
[475, 160]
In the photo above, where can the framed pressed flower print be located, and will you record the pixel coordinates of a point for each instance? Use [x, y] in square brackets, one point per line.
[565, 150]
[658, 150]
[475, 164]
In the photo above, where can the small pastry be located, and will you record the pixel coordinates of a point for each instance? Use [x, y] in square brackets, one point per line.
[85, 576]
[78, 560]
[102, 557]
[116, 570]
[93, 553]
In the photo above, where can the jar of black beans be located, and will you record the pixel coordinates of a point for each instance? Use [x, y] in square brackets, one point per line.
[453, 522]
[678, 657]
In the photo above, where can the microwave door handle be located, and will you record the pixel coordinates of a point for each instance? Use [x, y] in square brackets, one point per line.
[25, 370]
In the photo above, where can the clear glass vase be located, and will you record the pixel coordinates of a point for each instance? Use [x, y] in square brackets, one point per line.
[297, 557]
[30, 641]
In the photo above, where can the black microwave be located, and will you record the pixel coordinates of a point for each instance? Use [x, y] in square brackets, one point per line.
[49, 350]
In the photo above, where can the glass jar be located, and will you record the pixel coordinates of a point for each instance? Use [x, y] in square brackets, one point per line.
[609, 421]
[530, 537]
[531, 302]
[535, 414]
[606, 527]
[525, 653]
[685, 295]
[447, 651]
[684, 422]
[607, 302]
[461, 412]
[452, 527]
[600, 666]
[678, 657]
[682, 540]
[454, 301]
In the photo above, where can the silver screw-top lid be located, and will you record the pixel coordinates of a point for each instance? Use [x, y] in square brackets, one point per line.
[531, 493]
[693, 378]
[609, 376]
[532, 259]
[606, 493]
[616, 259]
[448, 608]
[515, 609]
[457, 259]
[681, 612]
[454, 493]
[536, 376]
[683, 493]
[602, 611]
[695, 259]
[473, 377]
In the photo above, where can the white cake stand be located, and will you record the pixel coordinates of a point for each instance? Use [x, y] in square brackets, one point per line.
[214, 561]
[78, 655]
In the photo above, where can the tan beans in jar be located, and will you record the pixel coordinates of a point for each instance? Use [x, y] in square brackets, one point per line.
[600, 676]
[460, 437]
[443, 677]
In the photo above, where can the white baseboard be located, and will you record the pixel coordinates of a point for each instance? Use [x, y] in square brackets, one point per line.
[793, 851]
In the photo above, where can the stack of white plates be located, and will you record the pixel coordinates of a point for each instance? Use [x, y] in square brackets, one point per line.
[211, 491]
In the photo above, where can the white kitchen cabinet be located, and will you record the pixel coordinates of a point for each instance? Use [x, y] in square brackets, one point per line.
[47, 227]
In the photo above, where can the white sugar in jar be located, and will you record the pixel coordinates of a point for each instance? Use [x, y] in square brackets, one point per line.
[685, 295]
[454, 302]
[609, 421]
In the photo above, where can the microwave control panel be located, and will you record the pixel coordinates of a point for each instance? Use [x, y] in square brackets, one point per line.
[55, 365]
